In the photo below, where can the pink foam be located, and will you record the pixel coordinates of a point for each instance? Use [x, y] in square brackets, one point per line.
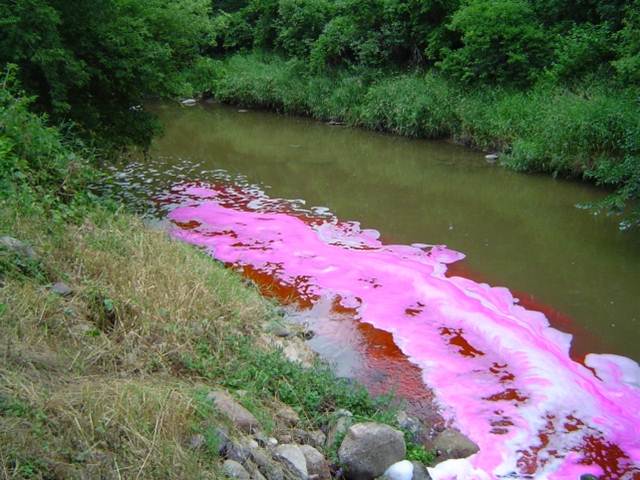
[502, 375]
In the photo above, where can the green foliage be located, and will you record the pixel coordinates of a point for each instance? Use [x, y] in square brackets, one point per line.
[502, 42]
[300, 23]
[419, 453]
[584, 50]
[628, 41]
[37, 160]
[92, 61]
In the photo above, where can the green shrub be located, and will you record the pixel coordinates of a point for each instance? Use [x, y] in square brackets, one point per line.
[502, 43]
[628, 41]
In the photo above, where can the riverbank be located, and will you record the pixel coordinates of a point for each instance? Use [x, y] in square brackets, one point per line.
[126, 354]
[589, 132]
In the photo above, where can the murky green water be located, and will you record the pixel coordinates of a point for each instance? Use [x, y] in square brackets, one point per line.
[520, 231]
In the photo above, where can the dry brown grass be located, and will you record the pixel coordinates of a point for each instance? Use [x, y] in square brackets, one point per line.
[90, 384]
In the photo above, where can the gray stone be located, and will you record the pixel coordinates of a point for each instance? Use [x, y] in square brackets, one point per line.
[266, 465]
[189, 102]
[491, 157]
[236, 413]
[224, 441]
[316, 463]
[18, 247]
[238, 451]
[369, 449]
[451, 443]
[315, 438]
[420, 472]
[410, 424]
[288, 416]
[196, 442]
[280, 330]
[338, 427]
[402, 470]
[234, 469]
[61, 289]
[291, 456]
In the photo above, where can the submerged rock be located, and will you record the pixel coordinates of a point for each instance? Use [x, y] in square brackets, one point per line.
[230, 408]
[451, 443]
[189, 102]
[491, 157]
[369, 449]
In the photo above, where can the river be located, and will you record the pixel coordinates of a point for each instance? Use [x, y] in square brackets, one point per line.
[519, 231]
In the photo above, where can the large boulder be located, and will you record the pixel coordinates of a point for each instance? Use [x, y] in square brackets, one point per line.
[451, 443]
[368, 449]
[236, 413]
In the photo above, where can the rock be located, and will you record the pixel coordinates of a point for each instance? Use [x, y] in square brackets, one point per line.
[316, 463]
[420, 472]
[196, 442]
[272, 442]
[189, 102]
[410, 424]
[266, 465]
[224, 441]
[238, 451]
[369, 449]
[291, 456]
[285, 438]
[492, 157]
[339, 426]
[280, 331]
[452, 444]
[18, 247]
[230, 408]
[233, 469]
[242, 110]
[253, 470]
[315, 438]
[61, 289]
[288, 416]
[402, 470]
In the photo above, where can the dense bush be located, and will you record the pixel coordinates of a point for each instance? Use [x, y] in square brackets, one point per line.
[502, 42]
[91, 61]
